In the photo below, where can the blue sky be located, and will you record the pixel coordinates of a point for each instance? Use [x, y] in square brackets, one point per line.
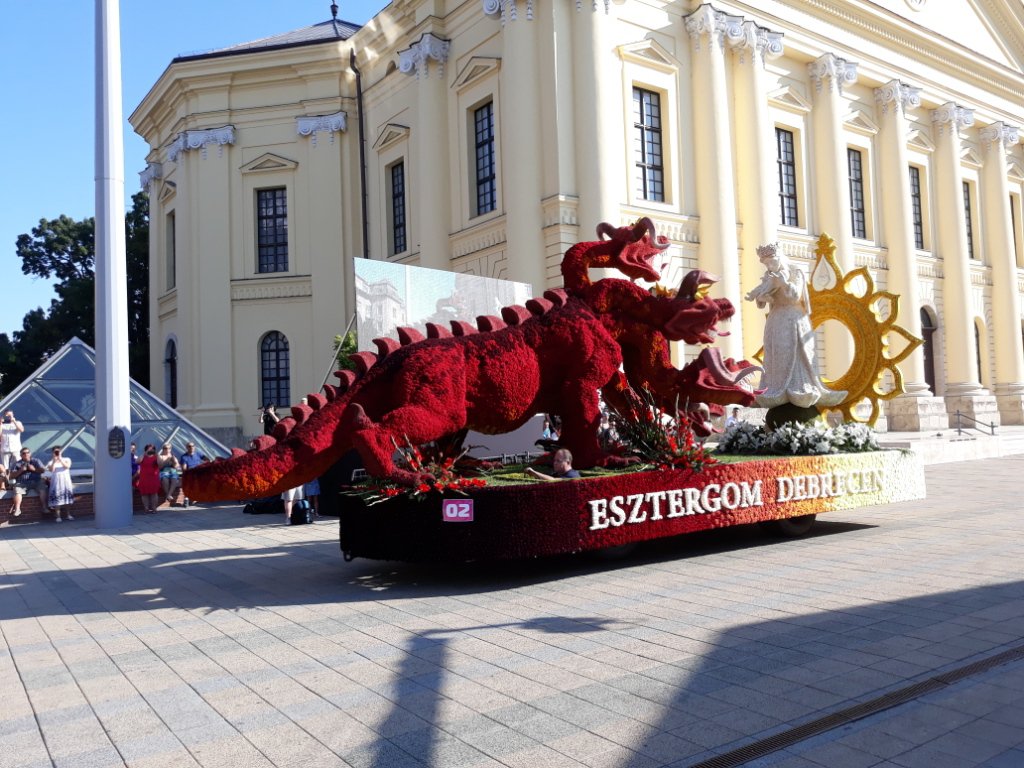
[47, 84]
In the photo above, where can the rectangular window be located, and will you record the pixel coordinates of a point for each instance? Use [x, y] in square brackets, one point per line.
[855, 166]
[968, 220]
[1015, 226]
[171, 252]
[398, 241]
[916, 208]
[648, 159]
[272, 229]
[787, 177]
[486, 178]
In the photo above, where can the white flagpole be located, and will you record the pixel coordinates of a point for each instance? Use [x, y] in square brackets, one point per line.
[112, 498]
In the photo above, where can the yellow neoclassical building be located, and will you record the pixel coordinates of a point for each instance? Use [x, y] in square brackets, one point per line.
[486, 136]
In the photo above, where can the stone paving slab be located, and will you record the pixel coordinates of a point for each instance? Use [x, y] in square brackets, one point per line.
[205, 637]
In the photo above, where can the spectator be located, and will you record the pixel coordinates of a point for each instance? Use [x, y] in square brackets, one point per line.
[734, 417]
[147, 479]
[289, 497]
[62, 489]
[169, 474]
[311, 491]
[10, 439]
[28, 476]
[269, 418]
[3, 478]
[562, 462]
[189, 460]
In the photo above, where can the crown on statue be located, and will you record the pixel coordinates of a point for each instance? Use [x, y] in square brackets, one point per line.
[767, 251]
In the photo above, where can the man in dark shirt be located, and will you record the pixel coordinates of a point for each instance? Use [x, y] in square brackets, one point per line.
[28, 476]
[562, 462]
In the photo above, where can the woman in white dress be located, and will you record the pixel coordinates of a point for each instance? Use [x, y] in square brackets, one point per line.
[790, 370]
[62, 490]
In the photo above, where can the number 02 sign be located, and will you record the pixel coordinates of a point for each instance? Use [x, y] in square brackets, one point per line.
[457, 510]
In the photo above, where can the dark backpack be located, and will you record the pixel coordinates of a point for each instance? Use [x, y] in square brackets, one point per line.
[302, 513]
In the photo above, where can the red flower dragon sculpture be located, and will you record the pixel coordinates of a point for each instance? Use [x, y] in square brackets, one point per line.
[551, 356]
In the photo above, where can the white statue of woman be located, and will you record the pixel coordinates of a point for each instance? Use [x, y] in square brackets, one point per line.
[790, 370]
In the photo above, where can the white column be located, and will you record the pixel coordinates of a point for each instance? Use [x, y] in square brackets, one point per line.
[829, 74]
[596, 95]
[961, 368]
[112, 494]
[716, 200]
[521, 153]
[431, 172]
[999, 245]
[916, 410]
[757, 185]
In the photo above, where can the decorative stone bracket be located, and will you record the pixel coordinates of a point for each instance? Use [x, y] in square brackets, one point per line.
[151, 173]
[189, 140]
[838, 72]
[1000, 134]
[894, 92]
[314, 124]
[416, 58]
[955, 116]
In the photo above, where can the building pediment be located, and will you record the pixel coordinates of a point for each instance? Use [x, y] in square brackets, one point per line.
[971, 157]
[167, 190]
[789, 98]
[269, 162]
[649, 53]
[919, 140]
[859, 122]
[476, 69]
[993, 29]
[390, 134]
[1014, 169]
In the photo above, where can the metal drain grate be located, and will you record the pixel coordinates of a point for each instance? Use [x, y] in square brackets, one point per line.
[770, 744]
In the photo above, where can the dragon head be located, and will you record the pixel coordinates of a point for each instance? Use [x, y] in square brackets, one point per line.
[695, 315]
[639, 244]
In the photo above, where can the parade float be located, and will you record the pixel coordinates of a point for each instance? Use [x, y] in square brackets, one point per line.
[588, 346]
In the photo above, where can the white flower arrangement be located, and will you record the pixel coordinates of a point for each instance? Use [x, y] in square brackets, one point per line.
[798, 439]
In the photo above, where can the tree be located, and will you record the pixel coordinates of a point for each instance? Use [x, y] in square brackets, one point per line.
[64, 250]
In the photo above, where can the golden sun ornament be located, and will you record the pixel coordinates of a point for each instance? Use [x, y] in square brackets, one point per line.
[870, 317]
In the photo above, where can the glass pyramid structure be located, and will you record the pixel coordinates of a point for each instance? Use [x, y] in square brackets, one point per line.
[57, 406]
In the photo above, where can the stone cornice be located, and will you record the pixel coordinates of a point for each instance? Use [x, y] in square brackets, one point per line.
[901, 95]
[748, 36]
[999, 134]
[151, 173]
[191, 140]
[508, 10]
[416, 58]
[829, 67]
[314, 124]
[952, 115]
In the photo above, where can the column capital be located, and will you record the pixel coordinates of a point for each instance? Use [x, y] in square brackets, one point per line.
[836, 71]
[190, 140]
[748, 36]
[999, 135]
[714, 24]
[900, 95]
[508, 10]
[314, 124]
[955, 116]
[416, 57]
[151, 173]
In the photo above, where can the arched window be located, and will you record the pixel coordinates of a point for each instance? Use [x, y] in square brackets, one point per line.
[977, 350]
[928, 333]
[275, 376]
[171, 374]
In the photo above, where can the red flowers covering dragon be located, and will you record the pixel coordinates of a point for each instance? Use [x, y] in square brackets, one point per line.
[553, 355]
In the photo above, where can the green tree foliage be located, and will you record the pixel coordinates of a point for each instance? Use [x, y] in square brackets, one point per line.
[63, 250]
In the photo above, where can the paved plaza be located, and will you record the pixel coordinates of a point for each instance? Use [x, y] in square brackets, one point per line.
[892, 636]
